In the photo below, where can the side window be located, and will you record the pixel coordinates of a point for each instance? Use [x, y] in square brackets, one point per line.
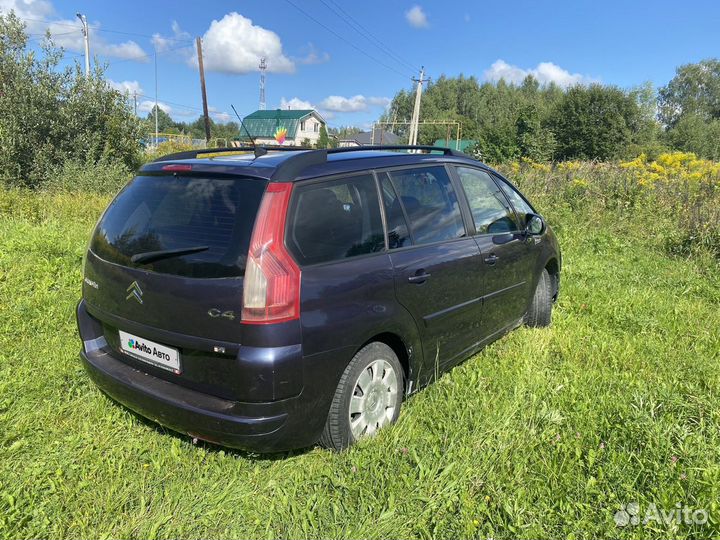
[398, 231]
[335, 220]
[522, 208]
[429, 202]
[490, 209]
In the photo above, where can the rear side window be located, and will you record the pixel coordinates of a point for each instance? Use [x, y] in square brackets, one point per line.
[489, 207]
[429, 202]
[212, 217]
[335, 220]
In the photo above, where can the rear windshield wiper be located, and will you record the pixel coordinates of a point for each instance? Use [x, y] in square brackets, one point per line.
[151, 256]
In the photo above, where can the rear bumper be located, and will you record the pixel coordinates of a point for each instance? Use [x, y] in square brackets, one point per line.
[268, 426]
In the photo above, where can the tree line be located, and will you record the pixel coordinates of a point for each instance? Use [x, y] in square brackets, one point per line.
[55, 121]
[595, 121]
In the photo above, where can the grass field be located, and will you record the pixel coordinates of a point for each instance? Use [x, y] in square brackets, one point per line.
[546, 433]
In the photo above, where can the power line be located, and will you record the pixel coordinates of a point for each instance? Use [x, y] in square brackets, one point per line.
[340, 37]
[145, 55]
[99, 29]
[364, 32]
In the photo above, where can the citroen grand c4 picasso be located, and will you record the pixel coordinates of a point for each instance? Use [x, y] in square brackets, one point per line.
[272, 300]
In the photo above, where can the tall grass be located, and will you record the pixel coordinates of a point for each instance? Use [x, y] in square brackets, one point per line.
[674, 199]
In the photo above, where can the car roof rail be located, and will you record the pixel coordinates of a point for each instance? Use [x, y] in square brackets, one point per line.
[291, 167]
[193, 154]
[257, 150]
[424, 147]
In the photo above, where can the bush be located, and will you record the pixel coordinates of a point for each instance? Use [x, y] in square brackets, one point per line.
[50, 116]
[105, 177]
[165, 148]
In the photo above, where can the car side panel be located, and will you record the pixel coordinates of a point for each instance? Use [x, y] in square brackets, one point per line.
[346, 303]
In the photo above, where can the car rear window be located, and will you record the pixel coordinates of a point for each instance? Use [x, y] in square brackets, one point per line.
[213, 217]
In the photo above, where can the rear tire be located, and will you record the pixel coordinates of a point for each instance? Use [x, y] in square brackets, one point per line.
[368, 397]
[540, 312]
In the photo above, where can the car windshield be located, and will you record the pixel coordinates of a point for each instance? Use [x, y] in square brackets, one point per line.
[180, 225]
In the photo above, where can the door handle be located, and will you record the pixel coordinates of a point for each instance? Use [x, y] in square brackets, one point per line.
[491, 259]
[420, 277]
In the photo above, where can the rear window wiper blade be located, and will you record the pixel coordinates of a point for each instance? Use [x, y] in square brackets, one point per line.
[152, 256]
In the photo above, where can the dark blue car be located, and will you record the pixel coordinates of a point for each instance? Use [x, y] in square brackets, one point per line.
[274, 300]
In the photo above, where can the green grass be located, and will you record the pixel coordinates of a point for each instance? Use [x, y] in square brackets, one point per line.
[543, 434]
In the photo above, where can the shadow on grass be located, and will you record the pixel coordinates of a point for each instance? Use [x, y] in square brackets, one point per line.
[207, 445]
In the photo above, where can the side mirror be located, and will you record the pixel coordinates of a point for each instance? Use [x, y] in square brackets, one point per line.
[534, 225]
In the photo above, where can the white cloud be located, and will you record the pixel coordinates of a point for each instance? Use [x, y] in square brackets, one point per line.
[29, 9]
[313, 56]
[162, 43]
[34, 12]
[235, 45]
[126, 87]
[352, 104]
[147, 106]
[336, 104]
[221, 117]
[416, 17]
[544, 72]
[343, 104]
[379, 101]
[295, 103]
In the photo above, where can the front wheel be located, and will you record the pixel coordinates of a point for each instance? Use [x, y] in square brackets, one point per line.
[540, 312]
[368, 397]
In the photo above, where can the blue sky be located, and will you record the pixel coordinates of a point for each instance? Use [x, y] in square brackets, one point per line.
[350, 70]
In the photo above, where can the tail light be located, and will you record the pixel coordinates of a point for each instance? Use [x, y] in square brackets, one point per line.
[271, 287]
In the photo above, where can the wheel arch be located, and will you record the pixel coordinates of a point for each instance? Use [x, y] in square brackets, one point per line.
[552, 265]
[402, 350]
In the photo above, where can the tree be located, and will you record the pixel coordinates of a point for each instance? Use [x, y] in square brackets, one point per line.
[595, 122]
[165, 124]
[693, 133]
[535, 141]
[324, 140]
[695, 90]
[50, 116]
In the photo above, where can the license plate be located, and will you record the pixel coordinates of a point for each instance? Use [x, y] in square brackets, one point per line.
[148, 351]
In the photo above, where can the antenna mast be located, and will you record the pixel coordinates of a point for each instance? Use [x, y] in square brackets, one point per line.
[263, 67]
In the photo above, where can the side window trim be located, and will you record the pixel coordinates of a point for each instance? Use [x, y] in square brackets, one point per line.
[381, 202]
[494, 178]
[465, 211]
[408, 225]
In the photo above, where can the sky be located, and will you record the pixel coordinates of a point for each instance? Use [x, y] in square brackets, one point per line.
[348, 59]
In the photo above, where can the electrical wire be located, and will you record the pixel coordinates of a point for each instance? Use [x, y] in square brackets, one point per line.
[340, 37]
[364, 32]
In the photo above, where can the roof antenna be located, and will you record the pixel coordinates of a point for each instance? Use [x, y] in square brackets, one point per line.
[257, 150]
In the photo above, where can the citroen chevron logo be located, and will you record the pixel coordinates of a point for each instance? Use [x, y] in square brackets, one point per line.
[134, 291]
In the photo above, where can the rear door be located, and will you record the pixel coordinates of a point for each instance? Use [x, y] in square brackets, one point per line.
[198, 229]
[435, 261]
[507, 253]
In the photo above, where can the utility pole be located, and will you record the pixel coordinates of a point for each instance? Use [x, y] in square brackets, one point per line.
[135, 102]
[198, 41]
[416, 110]
[263, 67]
[86, 35]
[157, 110]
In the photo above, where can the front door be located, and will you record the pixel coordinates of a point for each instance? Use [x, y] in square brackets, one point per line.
[507, 253]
